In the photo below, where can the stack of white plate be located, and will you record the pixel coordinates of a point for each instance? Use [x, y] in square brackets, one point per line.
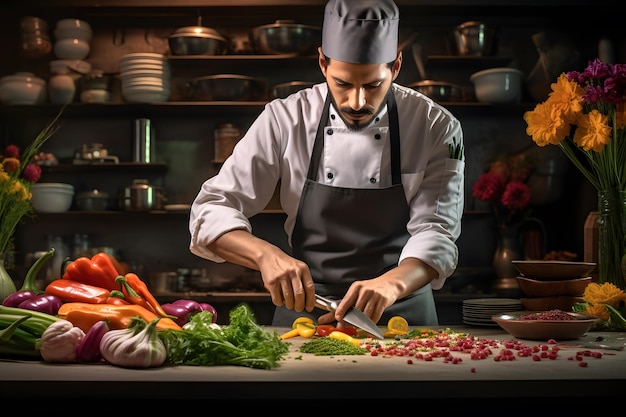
[478, 312]
[145, 77]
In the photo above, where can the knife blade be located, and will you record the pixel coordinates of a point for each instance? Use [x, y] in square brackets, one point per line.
[353, 316]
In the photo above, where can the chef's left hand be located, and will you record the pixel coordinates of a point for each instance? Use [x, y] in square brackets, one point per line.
[373, 296]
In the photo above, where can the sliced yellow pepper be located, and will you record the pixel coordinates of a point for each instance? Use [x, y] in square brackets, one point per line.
[345, 337]
[302, 326]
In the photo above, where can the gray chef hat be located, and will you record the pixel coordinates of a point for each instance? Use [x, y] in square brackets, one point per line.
[361, 31]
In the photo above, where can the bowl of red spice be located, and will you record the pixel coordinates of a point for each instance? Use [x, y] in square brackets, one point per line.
[545, 325]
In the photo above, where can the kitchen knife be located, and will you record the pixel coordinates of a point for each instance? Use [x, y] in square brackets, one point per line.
[353, 316]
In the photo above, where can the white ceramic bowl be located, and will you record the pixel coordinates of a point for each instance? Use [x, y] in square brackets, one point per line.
[52, 197]
[145, 95]
[498, 85]
[71, 23]
[71, 48]
[22, 88]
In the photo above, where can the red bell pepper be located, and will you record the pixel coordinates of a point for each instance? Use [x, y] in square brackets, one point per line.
[73, 291]
[98, 271]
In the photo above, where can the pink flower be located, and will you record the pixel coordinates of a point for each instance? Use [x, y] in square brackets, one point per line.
[516, 196]
[32, 172]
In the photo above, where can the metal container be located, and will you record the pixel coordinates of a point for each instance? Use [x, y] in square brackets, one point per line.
[141, 196]
[94, 200]
[143, 141]
[286, 37]
[226, 87]
[474, 38]
[285, 89]
[439, 90]
[197, 40]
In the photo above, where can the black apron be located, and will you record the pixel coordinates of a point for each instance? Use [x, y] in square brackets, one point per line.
[348, 234]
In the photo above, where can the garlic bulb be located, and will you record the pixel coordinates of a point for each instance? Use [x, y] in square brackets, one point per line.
[60, 341]
[134, 347]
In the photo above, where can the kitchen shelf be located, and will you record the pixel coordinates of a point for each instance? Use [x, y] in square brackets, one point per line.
[468, 62]
[105, 167]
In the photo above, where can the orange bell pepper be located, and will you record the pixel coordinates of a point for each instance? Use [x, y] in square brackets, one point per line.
[85, 315]
[98, 271]
[72, 291]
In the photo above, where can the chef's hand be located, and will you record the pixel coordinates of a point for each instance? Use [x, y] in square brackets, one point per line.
[288, 281]
[373, 296]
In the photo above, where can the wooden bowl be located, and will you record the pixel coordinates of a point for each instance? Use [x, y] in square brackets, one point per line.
[560, 302]
[545, 329]
[554, 270]
[537, 288]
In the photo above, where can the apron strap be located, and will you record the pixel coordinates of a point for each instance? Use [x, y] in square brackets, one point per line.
[318, 146]
[394, 143]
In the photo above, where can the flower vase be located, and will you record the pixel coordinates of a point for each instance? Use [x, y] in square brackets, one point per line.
[508, 249]
[611, 237]
[7, 285]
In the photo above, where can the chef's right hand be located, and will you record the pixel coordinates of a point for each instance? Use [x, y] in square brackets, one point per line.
[288, 281]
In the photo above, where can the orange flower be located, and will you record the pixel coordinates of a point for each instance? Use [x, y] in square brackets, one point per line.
[593, 131]
[598, 310]
[607, 293]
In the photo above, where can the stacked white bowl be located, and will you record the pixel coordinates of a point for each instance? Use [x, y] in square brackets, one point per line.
[145, 77]
[52, 197]
[73, 38]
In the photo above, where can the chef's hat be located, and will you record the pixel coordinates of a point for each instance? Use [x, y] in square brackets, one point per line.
[361, 31]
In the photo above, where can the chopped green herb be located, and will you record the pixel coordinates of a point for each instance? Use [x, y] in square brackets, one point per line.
[328, 346]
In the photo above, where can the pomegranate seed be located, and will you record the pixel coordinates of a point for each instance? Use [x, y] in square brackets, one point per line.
[410, 362]
[582, 364]
[473, 370]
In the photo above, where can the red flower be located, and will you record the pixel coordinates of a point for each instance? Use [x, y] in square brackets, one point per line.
[489, 186]
[516, 196]
[32, 172]
[12, 151]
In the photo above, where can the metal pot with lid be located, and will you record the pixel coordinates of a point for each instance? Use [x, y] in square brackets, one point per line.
[141, 196]
[197, 40]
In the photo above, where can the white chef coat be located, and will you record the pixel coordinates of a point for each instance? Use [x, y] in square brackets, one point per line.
[278, 146]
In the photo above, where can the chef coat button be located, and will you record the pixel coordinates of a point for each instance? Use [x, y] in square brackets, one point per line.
[373, 180]
[332, 116]
[330, 175]
[377, 136]
[329, 132]
[377, 119]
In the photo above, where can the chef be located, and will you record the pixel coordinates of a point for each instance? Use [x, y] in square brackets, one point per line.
[371, 179]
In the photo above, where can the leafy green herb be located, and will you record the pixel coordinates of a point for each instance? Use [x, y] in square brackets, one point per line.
[243, 342]
[456, 150]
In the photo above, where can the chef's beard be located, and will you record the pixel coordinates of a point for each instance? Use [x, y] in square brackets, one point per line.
[358, 125]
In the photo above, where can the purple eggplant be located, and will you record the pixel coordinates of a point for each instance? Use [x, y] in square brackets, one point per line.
[89, 348]
[190, 305]
[15, 299]
[183, 309]
[44, 303]
[180, 313]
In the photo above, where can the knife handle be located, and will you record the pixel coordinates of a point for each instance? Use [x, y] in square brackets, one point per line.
[325, 303]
